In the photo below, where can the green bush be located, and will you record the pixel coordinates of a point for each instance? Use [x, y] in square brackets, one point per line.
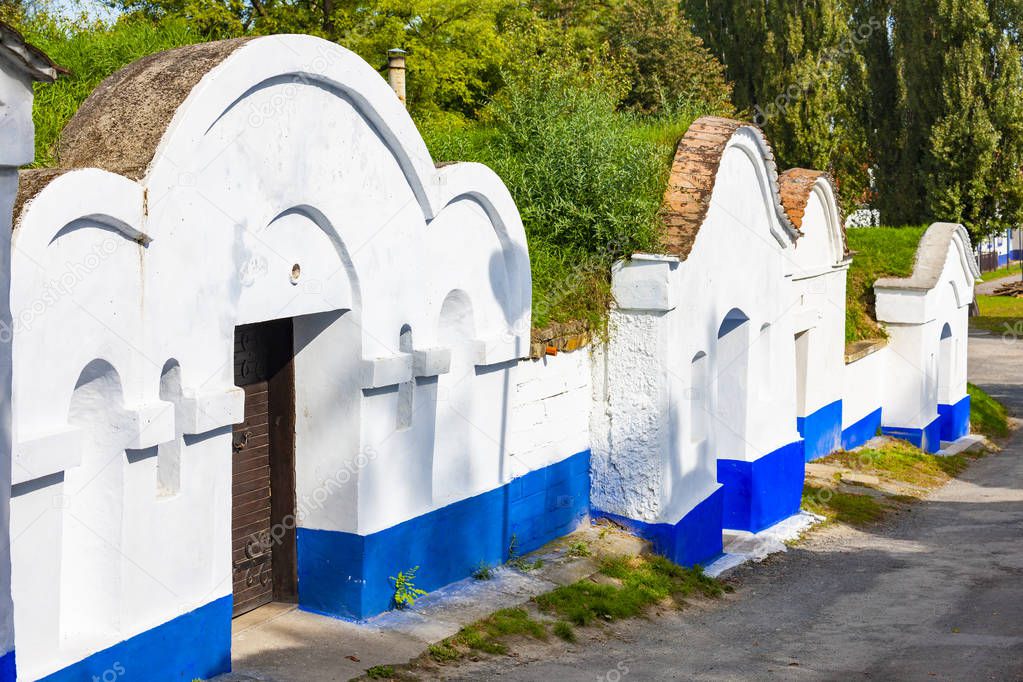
[588, 178]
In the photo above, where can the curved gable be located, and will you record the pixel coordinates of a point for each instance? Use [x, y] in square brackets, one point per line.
[286, 151]
[808, 197]
[118, 127]
[931, 257]
[944, 262]
[694, 174]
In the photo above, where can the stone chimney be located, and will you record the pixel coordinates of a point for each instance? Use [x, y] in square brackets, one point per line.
[396, 72]
[20, 66]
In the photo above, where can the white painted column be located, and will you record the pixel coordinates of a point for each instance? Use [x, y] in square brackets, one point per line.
[20, 66]
[17, 142]
[628, 478]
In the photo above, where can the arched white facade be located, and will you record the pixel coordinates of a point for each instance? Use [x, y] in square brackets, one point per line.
[926, 316]
[714, 327]
[288, 183]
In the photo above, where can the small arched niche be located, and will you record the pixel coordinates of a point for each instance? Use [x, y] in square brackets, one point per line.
[731, 395]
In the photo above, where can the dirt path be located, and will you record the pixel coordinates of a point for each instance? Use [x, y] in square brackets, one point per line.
[988, 288]
[934, 594]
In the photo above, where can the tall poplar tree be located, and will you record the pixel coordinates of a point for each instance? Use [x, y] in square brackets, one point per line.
[792, 63]
[955, 149]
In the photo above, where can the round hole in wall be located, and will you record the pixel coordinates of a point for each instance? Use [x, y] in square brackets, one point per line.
[296, 272]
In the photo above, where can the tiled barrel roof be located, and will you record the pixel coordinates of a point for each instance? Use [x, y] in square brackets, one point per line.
[691, 182]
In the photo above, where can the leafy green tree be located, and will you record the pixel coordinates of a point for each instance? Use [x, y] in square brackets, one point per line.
[457, 48]
[793, 64]
[945, 126]
[663, 60]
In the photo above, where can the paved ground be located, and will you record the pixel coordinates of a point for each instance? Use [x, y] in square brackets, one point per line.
[988, 288]
[937, 594]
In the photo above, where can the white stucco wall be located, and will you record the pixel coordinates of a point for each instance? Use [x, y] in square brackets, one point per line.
[332, 175]
[819, 290]
[864, 382]
[550, 413]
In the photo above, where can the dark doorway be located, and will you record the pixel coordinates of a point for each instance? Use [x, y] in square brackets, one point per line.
[263, 468]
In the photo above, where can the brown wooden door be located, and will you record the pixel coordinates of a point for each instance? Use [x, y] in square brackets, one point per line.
[263, 484]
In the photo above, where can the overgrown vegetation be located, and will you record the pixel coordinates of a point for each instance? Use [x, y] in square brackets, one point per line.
[878, 252]
[859, 487]
[638, 582]
[626, 587]
[987, 415]
[483, 571]
[835, 505]
[900, 461]
[587, 177]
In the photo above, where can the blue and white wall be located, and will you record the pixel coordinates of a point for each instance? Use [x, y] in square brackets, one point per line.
[701, 369]
[290, 183]
[1007, 245]
[926, 317]
[818, 312]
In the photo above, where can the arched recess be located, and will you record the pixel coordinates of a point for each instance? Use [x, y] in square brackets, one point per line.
[731, 400]
[91, 569]
[699, 399]
[763, 365]
[168, 455]
[454, 467]
[948, 352]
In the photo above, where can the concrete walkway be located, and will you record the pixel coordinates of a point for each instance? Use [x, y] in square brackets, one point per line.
[988, 288]
[936, 594]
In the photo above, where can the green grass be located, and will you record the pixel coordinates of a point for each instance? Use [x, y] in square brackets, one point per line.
[630, 586]
[564, 630]
[1004, 271]
[380, 672]
[835, 505]
[987, 415]
[487, 635]
[902, 462]
[484, 571]
[91, 51]
[879, 252]
[638, 584]
[999, 315]
[903, 471]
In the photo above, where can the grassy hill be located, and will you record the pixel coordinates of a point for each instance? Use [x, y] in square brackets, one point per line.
[877, 252]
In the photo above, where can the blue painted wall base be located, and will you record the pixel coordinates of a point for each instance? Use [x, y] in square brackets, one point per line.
[196, 645]
[927, 439]
[860, 432]
[345, 575]
[8, 671]
[761, 493]
[821, 431]
[694, 540]
[955, 419]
